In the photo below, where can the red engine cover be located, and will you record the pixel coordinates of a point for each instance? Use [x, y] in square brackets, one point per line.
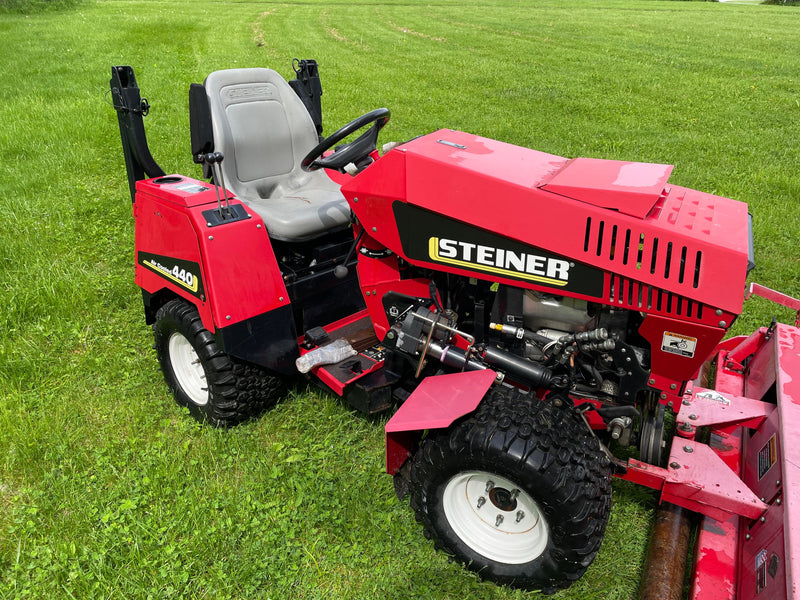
[611, 232]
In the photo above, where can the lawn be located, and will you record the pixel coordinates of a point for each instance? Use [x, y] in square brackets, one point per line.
[109, 490]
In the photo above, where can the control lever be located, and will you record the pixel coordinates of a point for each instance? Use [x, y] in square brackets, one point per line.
[341, 271]
[214, 160]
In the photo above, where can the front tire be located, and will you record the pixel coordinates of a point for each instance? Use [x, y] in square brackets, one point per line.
[215, 387]
[519, 492]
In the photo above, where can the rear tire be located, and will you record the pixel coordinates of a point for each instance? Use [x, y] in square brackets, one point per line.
[215, 387]
[519, 492]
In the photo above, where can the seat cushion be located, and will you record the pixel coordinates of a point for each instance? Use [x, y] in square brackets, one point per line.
[264, 131]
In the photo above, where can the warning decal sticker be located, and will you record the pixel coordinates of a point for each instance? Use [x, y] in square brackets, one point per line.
[767, 456]
[676, 343]
[761, 571]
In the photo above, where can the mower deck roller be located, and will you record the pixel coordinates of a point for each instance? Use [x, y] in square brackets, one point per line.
[745, 548]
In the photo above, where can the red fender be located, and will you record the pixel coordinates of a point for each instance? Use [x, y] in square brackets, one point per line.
[435, 404]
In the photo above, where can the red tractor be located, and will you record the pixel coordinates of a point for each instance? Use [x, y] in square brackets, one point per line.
[537, 320]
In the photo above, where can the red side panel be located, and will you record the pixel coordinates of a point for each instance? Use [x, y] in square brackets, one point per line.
[678, 349]
[788, 389]
[228, 271]
[435, 404]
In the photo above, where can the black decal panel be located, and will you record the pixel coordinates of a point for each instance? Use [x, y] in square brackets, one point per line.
[431, 237]
[183, 273]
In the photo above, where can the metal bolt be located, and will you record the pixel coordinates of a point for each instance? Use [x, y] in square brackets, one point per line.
[719, 312]
[481, 501]
[374, 229]
[208, 224]
[763, 499]
[686, 403]
[258, 226]
[673, 386]
[674, 465]
[685, 427]
[722, 323]
[663, 396]
[514, 493]
[498, 520]
[688, 449]
[211, 237]
[777, 483]
[628, 359]
[778, 501]
[367, 293]
[669, 404]
[374, 292]
[489, 485]
[763, 519]
[747, 536]
[520, 515]
[390, 334]
[280, 298]
[652, 382]
[693, 417]
[355, 199]
[227, 317]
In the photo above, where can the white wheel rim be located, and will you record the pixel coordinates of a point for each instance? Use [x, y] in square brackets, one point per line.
[495, 517]
[189, 372]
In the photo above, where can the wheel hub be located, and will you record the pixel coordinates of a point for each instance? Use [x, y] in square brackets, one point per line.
[503, 499]
[189, 371]
[495, 517]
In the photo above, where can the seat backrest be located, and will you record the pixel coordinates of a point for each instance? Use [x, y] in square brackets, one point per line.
[262, 128]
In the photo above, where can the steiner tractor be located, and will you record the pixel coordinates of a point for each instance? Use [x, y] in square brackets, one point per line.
[536, 322]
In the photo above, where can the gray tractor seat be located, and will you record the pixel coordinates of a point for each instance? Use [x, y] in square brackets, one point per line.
[264, 131]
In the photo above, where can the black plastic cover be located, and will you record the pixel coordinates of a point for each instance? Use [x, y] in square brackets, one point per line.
[200, 127]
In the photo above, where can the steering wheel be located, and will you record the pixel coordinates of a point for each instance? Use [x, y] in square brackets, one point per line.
[354, 152]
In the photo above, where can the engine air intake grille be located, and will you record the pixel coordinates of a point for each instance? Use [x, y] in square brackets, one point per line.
[652, 254]
[628, 293]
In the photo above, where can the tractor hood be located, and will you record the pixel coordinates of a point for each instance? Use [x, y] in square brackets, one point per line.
[598, 229]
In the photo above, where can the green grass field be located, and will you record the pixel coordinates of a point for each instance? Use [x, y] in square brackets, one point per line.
[107, 489]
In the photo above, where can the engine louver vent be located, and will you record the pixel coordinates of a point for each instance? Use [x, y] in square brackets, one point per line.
[627, 293]
[635, 250]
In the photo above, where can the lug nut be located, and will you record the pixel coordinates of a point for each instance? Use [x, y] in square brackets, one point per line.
[498, 520]
[481, 501]
[489, 485]
[520, 515]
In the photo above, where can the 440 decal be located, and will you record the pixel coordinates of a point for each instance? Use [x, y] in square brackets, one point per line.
[183, 273]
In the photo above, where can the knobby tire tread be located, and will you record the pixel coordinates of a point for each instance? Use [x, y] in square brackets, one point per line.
[238, 390]
[541, 445]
